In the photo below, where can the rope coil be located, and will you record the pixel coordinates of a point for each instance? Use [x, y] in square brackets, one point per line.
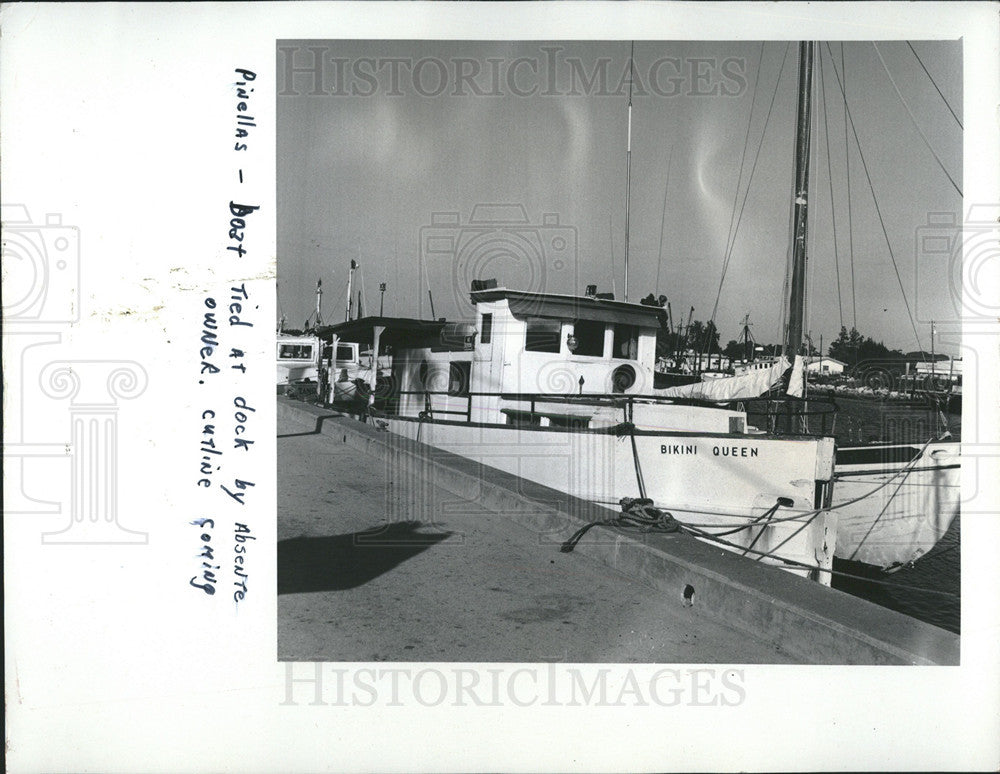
[638, 513]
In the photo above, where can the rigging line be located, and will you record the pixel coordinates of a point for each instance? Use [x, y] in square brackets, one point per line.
[876, 581]
[663, 218]
[730, 237]
[878, 210]
[753, 169]
[940, 94]
[914, 120]
[611, 239]
[829, 173]
[277, 297]
[850, 221]
[743, 161]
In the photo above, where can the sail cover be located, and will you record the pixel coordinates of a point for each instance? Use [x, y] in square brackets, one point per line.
[742, 387]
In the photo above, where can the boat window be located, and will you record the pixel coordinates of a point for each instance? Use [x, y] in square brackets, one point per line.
[542, 335]
[345, 352]
[458, 379]
[626, 342]
[487, 329]
[589, 336]
[295, 352]
[622, 378]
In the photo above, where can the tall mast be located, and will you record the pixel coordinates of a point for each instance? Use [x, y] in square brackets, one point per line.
[796, 301]
[628, 162]
[350, 279]
[319, 302]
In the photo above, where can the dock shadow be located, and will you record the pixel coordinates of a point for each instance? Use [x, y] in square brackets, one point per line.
[317, 429]
[341, 562]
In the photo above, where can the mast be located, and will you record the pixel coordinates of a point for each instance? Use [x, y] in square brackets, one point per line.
[747, 339]
[350, 278]
[796, 301]
[319, 302]
[628, 163]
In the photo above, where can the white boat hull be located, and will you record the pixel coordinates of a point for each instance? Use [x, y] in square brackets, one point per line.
[716, 481]
[893, 510]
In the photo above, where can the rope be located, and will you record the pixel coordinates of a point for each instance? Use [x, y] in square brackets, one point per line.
[888, 502]
[878, 210]
[739, 178]
[637, 514]
[847, 165]
[731, 240]
[876, 581]
[640, 513]
[628, 427]
[829, 173]
[914, 120]
[940, 94]
[663, 220]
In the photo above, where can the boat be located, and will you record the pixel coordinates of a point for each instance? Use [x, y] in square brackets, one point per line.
[895, 501]
[558, 390]
[562, 390]
[298, 363]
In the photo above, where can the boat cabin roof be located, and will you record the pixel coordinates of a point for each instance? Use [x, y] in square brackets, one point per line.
[524, 304]
[397, 330]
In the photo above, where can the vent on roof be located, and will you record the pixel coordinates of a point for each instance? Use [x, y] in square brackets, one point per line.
[487, 284]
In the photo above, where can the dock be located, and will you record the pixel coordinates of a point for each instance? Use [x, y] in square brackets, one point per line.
[390, 550]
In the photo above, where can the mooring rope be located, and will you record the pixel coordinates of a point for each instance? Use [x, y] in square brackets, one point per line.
[640, 513]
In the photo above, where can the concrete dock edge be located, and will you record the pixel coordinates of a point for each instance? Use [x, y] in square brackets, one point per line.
[815, 623]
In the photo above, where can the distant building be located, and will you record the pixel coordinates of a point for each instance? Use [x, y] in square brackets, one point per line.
[693, 362]
[949, 369]
[825, 365]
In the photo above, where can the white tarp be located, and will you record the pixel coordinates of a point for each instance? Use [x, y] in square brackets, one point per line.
[797, 381]
[743, 387]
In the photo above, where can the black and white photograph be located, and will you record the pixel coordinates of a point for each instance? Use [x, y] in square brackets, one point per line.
[536, 386]
[682, 308]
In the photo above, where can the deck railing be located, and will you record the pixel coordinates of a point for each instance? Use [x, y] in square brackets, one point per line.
[784, 415]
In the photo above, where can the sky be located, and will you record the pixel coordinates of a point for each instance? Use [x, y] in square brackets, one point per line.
[390, 152]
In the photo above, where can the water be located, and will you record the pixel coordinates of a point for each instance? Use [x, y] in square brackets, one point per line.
[929, 590]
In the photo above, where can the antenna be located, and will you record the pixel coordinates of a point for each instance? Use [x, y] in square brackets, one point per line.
[628, 162]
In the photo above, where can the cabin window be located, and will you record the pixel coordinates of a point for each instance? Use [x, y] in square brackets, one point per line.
[487, 329]
[458, 379]
[626, 344]
[589, 335]
[542, 335]
[295, 352]
[345, 352]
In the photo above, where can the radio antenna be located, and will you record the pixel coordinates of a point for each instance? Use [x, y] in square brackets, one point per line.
[628, 161]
